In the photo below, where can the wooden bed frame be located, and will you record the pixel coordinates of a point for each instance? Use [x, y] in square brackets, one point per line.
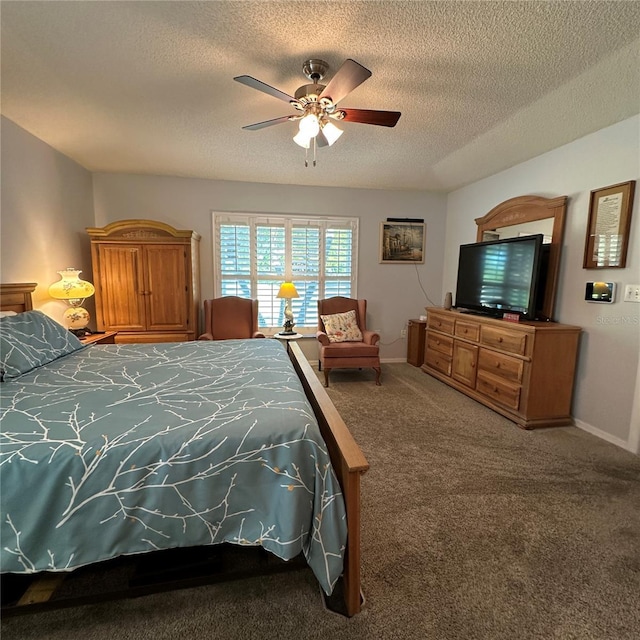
[348, 460]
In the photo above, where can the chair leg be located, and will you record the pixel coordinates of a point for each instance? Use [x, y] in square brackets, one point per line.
[378, 372]
[326, 376]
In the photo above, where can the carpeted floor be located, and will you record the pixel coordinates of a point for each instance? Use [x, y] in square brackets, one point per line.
[472, 529]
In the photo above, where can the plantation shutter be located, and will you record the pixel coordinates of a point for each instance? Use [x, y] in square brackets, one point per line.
[254, 254]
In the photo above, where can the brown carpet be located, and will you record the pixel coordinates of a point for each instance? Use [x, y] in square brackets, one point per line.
[472, 529]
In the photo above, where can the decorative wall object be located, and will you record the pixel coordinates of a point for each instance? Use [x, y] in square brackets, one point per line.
[402, 242]
[608, 229]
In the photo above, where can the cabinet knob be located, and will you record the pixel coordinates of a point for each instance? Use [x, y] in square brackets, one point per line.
[497, 365]
[500, 339]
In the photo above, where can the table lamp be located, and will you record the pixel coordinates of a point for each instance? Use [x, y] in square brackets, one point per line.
[74, 291]
[287, 291]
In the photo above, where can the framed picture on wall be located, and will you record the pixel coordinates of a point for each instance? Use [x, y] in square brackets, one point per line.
[402, 242]
[607, 238]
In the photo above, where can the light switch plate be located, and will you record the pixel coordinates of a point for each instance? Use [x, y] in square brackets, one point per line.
[632, 292]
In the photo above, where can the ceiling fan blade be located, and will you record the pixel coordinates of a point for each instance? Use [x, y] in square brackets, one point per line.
[265, 88]
[369, 116]
[349, 76]
[268, 123]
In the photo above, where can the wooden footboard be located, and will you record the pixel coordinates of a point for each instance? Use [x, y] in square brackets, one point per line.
[349, 464]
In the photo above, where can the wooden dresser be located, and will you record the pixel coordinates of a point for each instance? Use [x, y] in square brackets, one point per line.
[524, 370]
[147, 279]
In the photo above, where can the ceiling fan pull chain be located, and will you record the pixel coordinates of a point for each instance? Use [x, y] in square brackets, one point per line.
[314, 152]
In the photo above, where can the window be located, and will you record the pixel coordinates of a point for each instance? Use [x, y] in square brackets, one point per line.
[254, 254]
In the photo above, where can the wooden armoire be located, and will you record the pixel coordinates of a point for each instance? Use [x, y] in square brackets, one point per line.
[147, 280]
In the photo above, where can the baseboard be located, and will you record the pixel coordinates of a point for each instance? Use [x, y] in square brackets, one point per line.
[619, 442]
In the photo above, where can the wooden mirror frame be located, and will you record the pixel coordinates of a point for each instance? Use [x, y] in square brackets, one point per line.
[524, 209]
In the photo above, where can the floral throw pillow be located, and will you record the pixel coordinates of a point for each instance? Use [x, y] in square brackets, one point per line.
[342, 327]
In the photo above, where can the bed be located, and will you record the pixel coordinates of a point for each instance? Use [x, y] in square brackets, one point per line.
[111, 450]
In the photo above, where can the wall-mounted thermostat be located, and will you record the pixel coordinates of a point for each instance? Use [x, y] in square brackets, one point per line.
[600, 292]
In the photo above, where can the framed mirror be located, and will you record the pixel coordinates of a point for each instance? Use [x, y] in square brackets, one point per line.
[526, 215]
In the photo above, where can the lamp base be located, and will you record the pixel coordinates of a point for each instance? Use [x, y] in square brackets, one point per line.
[286, 333]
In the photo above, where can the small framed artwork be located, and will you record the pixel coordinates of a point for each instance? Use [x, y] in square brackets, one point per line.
[402, 242]
[607, 238]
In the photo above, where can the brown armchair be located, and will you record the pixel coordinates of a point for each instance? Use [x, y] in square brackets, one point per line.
[345, 355]
[230, 317]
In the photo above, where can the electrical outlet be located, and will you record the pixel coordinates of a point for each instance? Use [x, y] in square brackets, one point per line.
[632, 292]
[403, 333]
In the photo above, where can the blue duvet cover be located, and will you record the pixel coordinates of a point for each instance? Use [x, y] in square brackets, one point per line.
[123, 449]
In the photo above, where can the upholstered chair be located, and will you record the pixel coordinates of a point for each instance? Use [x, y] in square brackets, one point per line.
[230, 317]
[344, 340]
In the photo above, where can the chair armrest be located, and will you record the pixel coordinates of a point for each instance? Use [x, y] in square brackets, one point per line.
[258, 334]
[323, 338]
[370, 337]
[206, 336]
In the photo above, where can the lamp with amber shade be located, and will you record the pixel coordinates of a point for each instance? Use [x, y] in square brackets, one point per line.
[287, 291]
[74, 291]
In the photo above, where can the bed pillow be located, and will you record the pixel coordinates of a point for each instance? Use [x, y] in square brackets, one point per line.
[31, 339]
[342, 327]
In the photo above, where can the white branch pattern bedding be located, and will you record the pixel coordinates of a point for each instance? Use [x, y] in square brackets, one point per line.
[121, 449]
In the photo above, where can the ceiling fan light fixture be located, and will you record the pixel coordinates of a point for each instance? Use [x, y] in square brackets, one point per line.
[302, 139]
[309, 125]
[331, 132]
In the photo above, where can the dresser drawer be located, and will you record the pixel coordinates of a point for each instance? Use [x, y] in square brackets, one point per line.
[438, 361]
[440, 343]
[468, 330]
[503, 339]
[498, 390]
[440, 323]
[500, 365]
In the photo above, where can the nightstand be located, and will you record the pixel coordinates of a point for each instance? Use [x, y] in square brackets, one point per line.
[287, 336]
[106, 337]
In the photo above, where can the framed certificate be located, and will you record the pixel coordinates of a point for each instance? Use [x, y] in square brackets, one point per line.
[608, 229]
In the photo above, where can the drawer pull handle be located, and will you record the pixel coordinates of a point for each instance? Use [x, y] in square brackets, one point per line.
[500, 339]
[497, 365]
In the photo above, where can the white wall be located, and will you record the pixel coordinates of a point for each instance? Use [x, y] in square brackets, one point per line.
[47, 202]
[393, 292]
[605, 394]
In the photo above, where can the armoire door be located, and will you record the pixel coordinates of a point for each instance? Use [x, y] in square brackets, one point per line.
[121, 287]
[166, 287]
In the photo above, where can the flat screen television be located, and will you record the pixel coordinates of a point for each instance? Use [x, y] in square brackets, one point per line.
[501, 276]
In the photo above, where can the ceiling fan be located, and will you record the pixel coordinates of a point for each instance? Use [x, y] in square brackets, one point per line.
[316, 104]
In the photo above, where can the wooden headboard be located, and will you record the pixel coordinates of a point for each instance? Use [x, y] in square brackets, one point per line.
[16, 297]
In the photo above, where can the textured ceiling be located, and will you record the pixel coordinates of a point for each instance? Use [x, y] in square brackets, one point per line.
[147, 87]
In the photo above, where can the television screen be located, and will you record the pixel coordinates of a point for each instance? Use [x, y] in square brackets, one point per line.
[500, 276]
